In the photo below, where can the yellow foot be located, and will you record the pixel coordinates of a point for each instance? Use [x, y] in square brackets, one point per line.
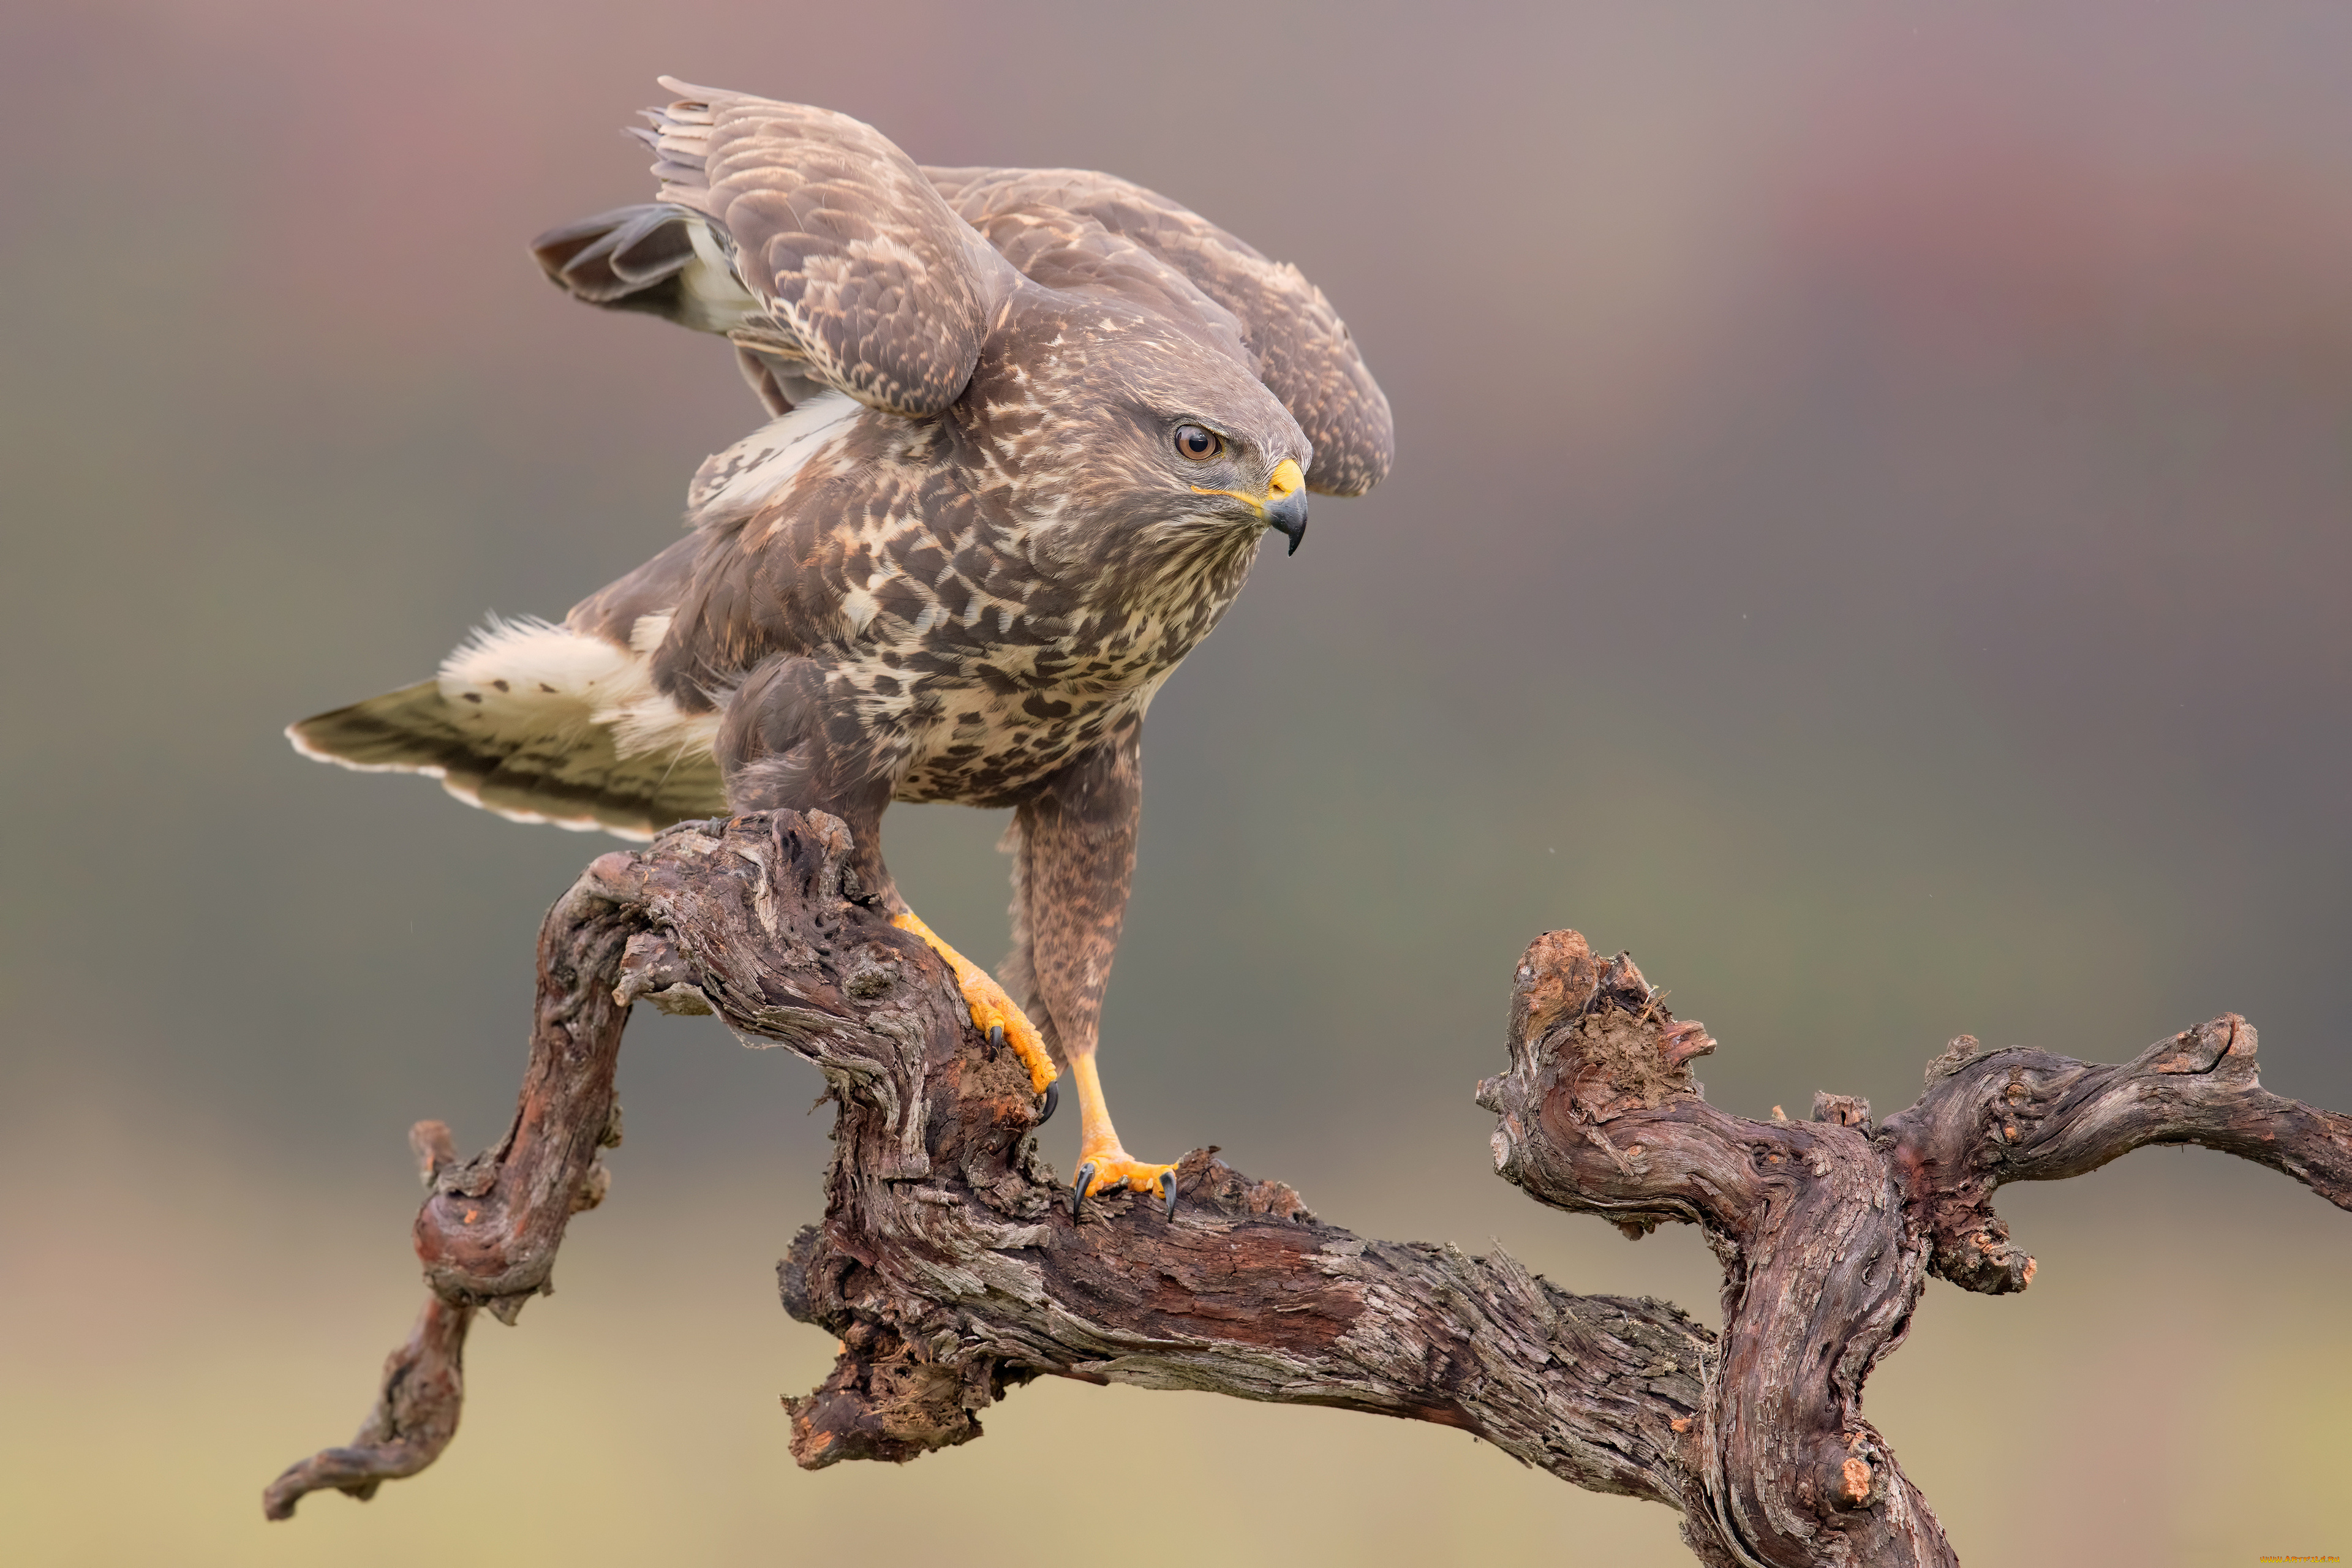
[993, 1012]
[1108, 1170]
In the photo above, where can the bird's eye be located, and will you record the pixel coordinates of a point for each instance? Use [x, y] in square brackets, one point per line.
[1198, 444]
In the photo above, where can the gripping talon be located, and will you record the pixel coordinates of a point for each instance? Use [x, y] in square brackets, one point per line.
[1053, 1099]
[1078, 1189]
[1167, 1190]
[993, 1012]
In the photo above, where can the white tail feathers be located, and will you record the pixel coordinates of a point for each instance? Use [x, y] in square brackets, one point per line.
[540, 723]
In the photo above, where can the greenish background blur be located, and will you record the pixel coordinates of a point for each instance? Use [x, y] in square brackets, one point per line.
[1871, 534]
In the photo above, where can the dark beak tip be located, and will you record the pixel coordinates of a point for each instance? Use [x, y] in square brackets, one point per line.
[1290, 516]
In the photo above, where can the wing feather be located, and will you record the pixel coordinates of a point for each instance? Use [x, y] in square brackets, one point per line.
[829, 256]
[865, 271]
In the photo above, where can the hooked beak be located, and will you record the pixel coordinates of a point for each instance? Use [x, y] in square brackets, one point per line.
[1285, 506]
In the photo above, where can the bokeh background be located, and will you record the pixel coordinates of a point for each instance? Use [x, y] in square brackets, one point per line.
[1871, 535]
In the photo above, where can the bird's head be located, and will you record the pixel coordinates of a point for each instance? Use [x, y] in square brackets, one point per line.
[1244, 485]
[1208, 446]
[1164, 447]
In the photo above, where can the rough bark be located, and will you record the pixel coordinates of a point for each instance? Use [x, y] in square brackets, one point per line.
[951, 1269]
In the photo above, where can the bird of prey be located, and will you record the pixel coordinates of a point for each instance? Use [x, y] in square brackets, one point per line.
[1028, 430]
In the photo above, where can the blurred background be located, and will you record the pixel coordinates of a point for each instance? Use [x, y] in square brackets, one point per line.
[1870, 534]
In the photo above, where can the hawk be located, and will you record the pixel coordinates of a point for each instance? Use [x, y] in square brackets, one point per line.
[1028, 430]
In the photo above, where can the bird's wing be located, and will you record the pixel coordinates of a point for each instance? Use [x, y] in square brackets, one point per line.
[857, 265]
[663, 259]
[1075, 255]
[827, 256]
[666, 260]
[1302, 350]
[631, 259]
[540, 723]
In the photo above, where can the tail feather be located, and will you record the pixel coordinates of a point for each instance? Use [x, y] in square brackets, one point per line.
[536, 723]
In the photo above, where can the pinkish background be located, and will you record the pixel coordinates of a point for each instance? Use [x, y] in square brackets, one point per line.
[1871, 534]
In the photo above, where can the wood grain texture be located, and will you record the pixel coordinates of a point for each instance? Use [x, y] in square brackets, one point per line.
[951, 1269]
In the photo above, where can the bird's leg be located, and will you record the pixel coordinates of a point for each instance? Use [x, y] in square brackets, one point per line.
[1073, 843]
[780, 748]
[993, 1012]
[1104, 1164]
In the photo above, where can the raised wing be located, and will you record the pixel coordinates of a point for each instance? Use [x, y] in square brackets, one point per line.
[831, 259]
[1074, 255]
[1303, 349]
[862, 270]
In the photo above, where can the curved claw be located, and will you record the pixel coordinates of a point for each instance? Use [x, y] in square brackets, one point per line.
[1078, 1188]
[1168, 1191]
[1053, 1100]
[993, 1014]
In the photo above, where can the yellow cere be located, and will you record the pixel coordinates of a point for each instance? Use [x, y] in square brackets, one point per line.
[1284, 483]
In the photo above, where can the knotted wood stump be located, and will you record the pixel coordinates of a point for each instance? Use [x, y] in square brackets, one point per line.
[950, 1267]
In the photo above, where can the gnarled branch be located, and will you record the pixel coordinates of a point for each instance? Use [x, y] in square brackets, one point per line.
[952, 1268]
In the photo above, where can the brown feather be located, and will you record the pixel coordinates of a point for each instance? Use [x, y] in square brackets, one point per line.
[1302, 350]
[866, 273]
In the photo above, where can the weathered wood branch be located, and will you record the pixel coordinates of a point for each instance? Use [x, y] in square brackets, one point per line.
[950, 1264]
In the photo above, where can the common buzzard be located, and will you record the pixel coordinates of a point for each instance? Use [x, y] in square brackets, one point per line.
[1028, 429]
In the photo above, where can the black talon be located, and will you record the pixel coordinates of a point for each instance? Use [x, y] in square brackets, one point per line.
[996, 1037]
[1078, 1192]
[1053, 1099]
[1168, 1187]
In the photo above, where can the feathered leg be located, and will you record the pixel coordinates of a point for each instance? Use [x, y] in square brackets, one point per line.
[777, 752]
[1072, 845]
